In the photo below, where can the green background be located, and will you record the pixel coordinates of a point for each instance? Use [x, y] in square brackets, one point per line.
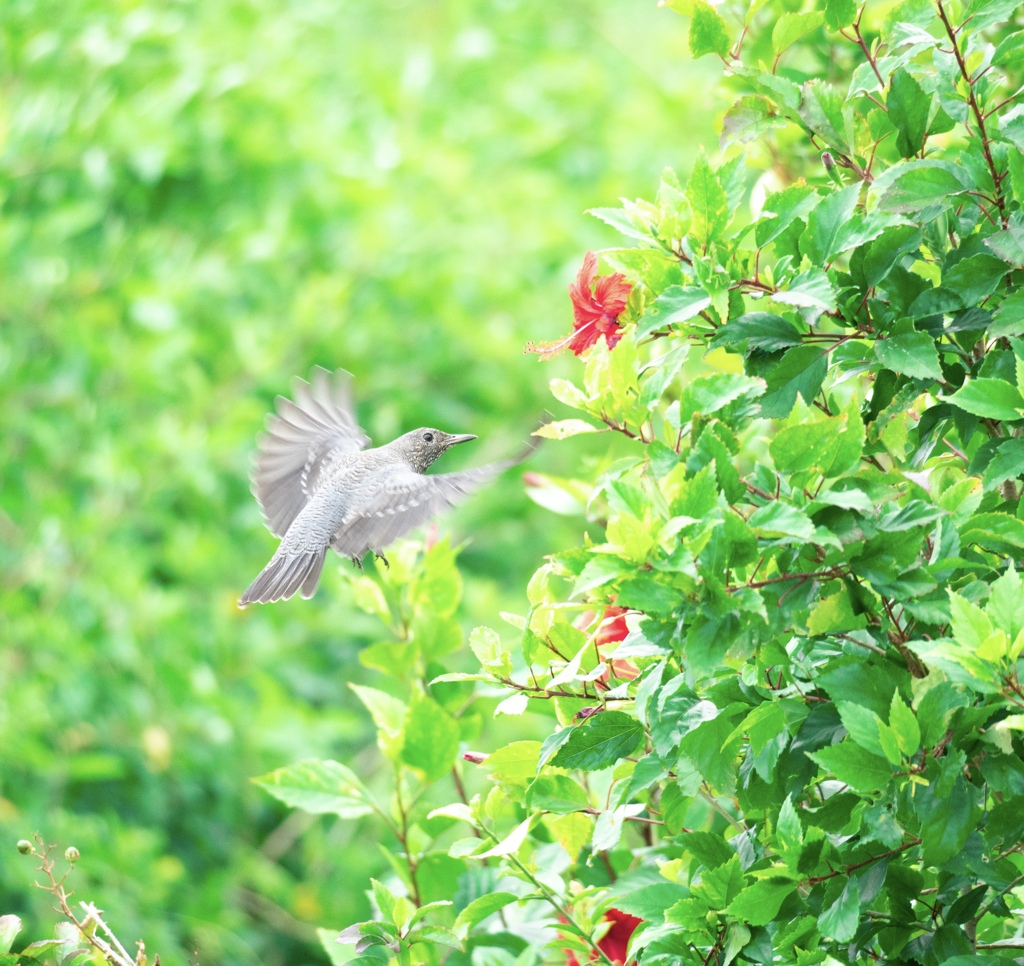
[197, 202]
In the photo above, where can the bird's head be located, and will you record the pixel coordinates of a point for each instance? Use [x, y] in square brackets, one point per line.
[422, 446]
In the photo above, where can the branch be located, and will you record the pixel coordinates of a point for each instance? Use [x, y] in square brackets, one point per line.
[979, 118]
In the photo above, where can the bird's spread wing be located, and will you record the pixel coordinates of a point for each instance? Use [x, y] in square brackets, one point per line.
[404, 500]
[303, 440]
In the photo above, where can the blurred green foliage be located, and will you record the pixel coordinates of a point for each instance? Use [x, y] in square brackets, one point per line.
[198, 201]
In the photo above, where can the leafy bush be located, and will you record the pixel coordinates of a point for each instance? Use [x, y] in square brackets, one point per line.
[787, 727]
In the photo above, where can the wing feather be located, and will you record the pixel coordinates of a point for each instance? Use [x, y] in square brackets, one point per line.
[306, 436]
[404, 500]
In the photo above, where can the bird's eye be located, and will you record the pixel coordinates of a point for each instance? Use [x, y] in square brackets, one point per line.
[429, 437]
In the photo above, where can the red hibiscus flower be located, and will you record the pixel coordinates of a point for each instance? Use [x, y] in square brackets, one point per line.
[615, 941]
[596, 307]
[610, 630]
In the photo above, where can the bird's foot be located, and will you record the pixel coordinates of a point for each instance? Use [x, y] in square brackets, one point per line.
[358, 561]
[380, 556]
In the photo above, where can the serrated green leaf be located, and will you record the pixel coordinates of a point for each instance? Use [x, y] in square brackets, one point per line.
[810, 289]
[708, 32]
[757, 330]
[782, 209]
[759, 903]
[800, 371]
[909, 109]
[709, 204]
[854, 766]
[841, 919]
[989, 398]
[910, 353]
[917, 185]
[827, 224]
[600, 741]
[904, 723]
[840, 13]
[778, 519]
[1008, 244]
[676, 304]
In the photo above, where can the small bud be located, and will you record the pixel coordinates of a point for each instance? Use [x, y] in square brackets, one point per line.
[828, 160]
[24, 846]
[475, 757]
[72, 854]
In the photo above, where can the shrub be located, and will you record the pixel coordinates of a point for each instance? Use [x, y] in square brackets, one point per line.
[812, 541]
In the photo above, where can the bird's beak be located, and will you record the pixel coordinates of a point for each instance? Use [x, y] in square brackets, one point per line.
[465, 438]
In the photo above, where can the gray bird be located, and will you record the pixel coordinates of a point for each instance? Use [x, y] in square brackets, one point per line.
[318, 487]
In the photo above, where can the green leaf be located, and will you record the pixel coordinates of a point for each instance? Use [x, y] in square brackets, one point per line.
[337, 954]
[840, 13]
[834, 614]
[917, 185]
[709, 204]
[810, 289]
[437, 935]
[10, 926]
[712, 393]
[1008, 244]
[975, 277]
[800, 371]
[388, 714]
[911, 353]
[998, 532]
[854, 766]
[1008, 319]
[514, 765]
[841, 919]
[492, 654]
[759, 903]
[708, 32]
[676, 304]
[790, 27]
[909, 108]
[827, 225]
[756, 330]
[1006, 602]
[1007, 463]
[385, 900]
[782, 209]
[778, 519]
[479, 909]
[431, 738]
[749, 118]
[650, 901]
[320, 788]
[948, 815]
[565, 428]
[904, 723]
[558, 794]
[862, 724]
[989, 398]
[832, 445]
[509, 844]
[600, 742]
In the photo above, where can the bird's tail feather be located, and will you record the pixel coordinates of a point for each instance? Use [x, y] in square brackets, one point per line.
[284, 575]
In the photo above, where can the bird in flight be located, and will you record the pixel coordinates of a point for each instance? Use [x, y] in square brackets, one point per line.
[319, 486]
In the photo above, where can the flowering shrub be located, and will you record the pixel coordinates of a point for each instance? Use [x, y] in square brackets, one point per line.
[808, 554]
